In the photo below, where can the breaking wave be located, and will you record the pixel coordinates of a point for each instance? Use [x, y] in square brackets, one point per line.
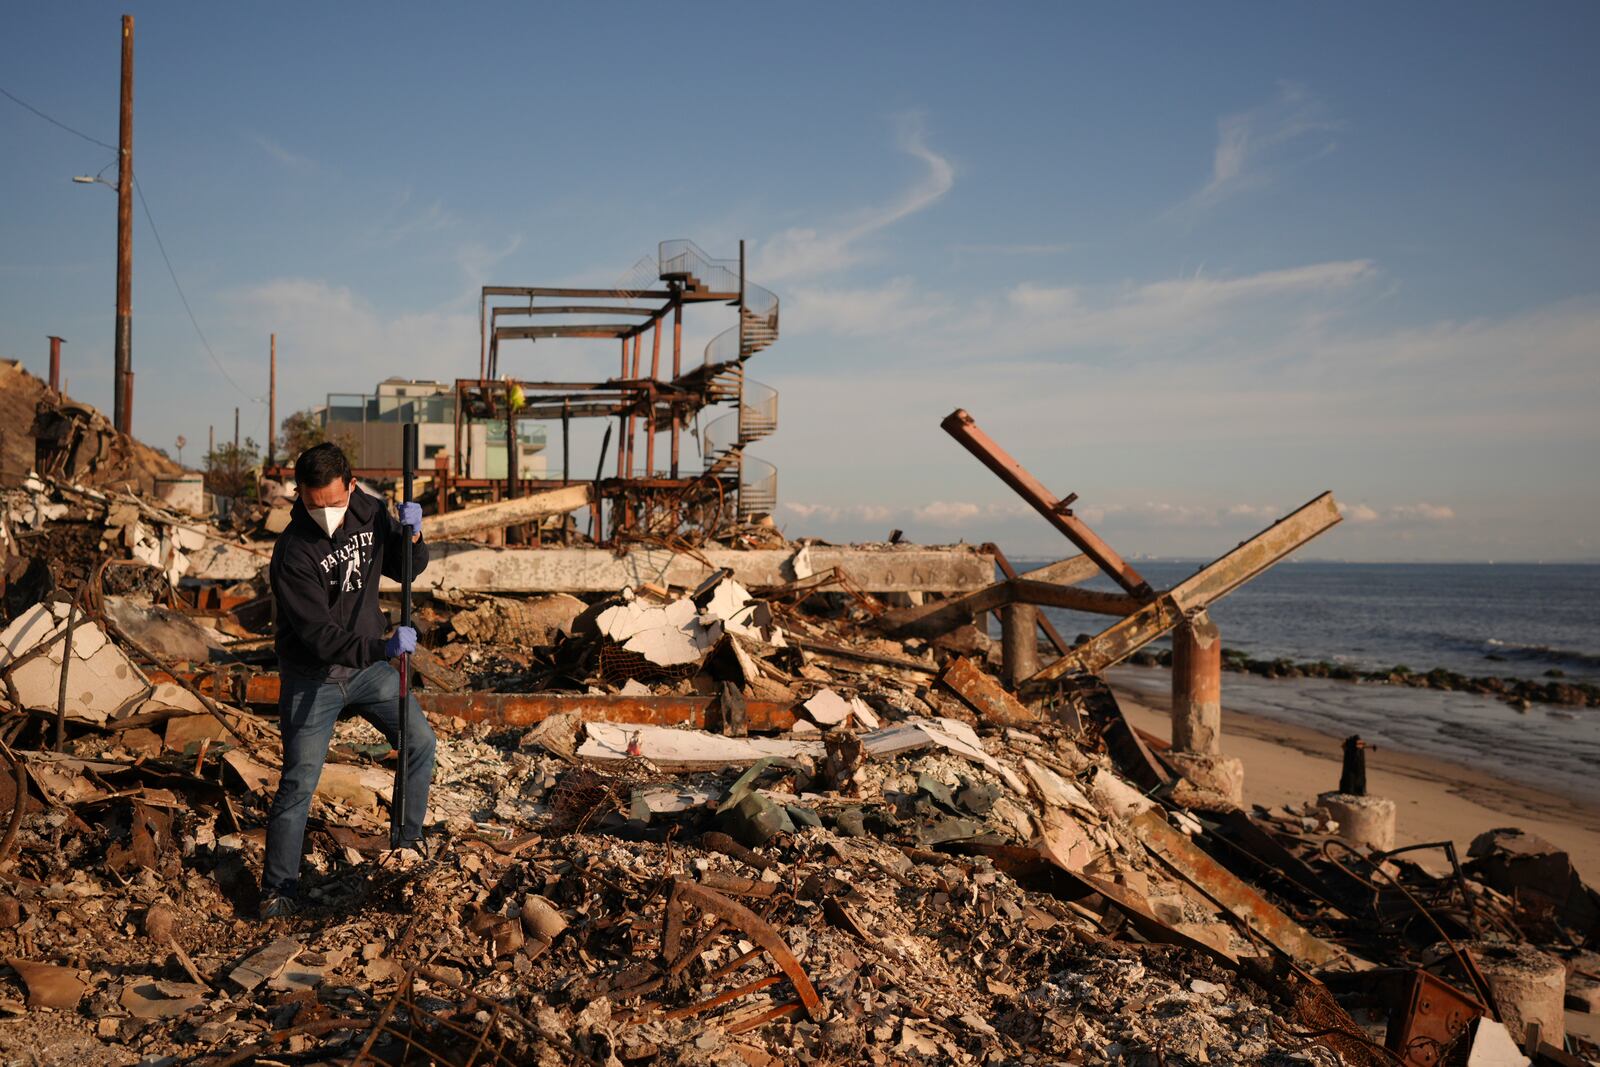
[1555, 657]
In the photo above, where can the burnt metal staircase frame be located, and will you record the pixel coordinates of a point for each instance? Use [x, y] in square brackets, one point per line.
[636, 312]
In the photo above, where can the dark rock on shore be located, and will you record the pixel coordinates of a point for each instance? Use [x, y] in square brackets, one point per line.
[1515, 691]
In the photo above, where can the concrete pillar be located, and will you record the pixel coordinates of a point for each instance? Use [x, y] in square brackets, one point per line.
[1365, 821]
[1197, 710]
[1019, 642]
[1197, 687]
[1529, 987]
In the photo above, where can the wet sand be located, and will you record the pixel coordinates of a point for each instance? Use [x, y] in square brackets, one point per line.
[1435, 798]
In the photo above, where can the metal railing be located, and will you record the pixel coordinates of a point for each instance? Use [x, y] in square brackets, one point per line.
[724, 347]
[684, 257]
[719, 436]
[758, 411]
[758, 487]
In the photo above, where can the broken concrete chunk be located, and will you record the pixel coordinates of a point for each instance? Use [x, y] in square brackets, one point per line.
[1114, 797]
[827, 708]
[1492, 1046]
[166, 633]
[265, 964]
[49, 986]
[1062, 840]
[667, 746]
[297, 977]
[667, 636]
[534, 621]
[541, 919]
[1056, 790]
[948, 734]
[145, 998]
[101, 680]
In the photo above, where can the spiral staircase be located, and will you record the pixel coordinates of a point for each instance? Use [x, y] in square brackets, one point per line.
[724, 439]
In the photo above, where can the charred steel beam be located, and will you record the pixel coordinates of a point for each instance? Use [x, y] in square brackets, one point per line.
[1194, 866]
[1043, 623]
[573, 309]
[587, 329]
[1071, 598]
[523, 290]
[942, 616]
[1196, 592]
[521, 709]
[960, 425]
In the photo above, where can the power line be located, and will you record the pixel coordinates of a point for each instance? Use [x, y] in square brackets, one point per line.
[159, 243]
[15, 99]
[176, 285]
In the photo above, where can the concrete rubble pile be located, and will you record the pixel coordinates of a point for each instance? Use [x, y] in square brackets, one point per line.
[697, 823]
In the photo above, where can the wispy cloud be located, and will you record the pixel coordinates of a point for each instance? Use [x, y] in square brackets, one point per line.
[291, 160]
[805, 252]
[331, 339]
[404, 219]
[1255, 145]
[1033, 318]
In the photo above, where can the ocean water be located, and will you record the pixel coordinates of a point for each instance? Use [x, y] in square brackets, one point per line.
[1511, 620]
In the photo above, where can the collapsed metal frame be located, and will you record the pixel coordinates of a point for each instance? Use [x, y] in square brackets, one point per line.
[642, 493]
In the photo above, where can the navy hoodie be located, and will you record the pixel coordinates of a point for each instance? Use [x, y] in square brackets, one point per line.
[326, 588]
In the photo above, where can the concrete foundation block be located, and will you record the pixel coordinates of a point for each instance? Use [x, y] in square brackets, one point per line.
[1218, 774]
[1529, 987]
[1363, 821]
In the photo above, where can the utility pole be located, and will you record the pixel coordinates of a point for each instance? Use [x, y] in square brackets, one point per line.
[122, 346]
[235, 433]
[272, 402]
[55, 362]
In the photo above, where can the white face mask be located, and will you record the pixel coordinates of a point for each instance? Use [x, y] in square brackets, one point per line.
[330, 519]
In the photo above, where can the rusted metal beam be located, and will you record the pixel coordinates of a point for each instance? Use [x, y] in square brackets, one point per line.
[930, 620]
[1196, 592]
[570, 309]
[602, 294]
[960, 425]
[1197, 868]
[986, 696]
[516, 709]
[1051, 595]
[1045, 624]
[588, 329]
[1073, 570]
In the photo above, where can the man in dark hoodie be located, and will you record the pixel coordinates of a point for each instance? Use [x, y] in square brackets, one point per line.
[333, 655]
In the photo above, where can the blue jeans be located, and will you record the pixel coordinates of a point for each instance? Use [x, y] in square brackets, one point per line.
[308, 708]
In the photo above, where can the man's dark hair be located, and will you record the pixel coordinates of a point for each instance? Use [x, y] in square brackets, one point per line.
[320, 465]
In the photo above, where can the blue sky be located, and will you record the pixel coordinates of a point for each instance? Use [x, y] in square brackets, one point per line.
[1195, 263]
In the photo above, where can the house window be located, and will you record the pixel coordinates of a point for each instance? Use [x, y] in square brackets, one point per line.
[431, 451]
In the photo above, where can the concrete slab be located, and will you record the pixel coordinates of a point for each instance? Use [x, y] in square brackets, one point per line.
[880, 569]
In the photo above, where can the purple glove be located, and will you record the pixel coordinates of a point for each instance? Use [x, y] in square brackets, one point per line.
[411, 516]
[404, 639]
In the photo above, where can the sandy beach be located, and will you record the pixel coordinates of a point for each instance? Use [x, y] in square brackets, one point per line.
[1436, 799]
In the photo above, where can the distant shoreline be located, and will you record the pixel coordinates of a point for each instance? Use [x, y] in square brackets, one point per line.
[1518, 692]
